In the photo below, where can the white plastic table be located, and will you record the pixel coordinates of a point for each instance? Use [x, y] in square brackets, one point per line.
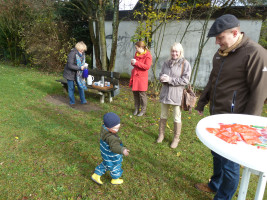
[252, 158]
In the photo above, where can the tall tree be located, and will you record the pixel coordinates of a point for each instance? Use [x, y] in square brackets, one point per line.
[95, 13]
[115, 27]
[101, 13]
[12, 18]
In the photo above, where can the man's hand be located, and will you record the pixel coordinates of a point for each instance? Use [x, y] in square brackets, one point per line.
[200, 112]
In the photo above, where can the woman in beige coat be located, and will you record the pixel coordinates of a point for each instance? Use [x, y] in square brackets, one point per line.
[173, 80]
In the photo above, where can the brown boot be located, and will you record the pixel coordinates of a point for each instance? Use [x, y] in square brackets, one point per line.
[162, 126]
[136, 109]
[136, 102]
[204, 187]
[143, 102]
[177, 133]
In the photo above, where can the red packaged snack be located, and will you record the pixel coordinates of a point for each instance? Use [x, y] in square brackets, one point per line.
[232, 133]
[250, 139]
[227, 136]
[213, 130]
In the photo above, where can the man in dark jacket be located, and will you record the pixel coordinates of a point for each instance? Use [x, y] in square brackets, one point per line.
[237, 84]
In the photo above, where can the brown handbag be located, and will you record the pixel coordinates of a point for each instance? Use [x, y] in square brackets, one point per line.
[189, 98]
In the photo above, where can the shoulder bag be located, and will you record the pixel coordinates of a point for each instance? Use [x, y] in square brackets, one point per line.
[189, 98]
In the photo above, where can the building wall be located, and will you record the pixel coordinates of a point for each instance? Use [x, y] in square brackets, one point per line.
[173, 33]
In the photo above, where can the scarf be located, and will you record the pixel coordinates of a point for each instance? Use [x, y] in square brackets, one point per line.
[80, 62]
[226, 51]
[139, 54]
[173, 62]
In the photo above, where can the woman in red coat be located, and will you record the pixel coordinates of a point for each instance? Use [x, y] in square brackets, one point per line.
[139, 77]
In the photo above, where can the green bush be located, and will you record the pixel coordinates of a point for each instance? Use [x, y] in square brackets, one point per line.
[263, 35]
[45, 40]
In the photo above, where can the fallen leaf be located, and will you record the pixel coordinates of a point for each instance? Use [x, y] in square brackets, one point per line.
[94, 157]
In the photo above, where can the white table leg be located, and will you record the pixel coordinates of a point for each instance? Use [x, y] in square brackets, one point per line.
[102, 97]
[261, 186]
[110, 97]
[244, 184]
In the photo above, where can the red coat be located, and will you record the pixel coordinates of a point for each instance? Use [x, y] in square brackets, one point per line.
[139, 75]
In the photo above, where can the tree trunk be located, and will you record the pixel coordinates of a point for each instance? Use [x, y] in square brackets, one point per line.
[102, 36]
[94, 35]
[115, 27]
[202, 43]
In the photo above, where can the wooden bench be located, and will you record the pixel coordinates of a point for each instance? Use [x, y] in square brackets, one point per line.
[112, 77]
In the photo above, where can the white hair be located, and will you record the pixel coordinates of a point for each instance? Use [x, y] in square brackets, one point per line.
[80, 46]
[178, 47]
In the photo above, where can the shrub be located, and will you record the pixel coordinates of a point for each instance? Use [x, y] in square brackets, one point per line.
[263, 35]
[46, 42]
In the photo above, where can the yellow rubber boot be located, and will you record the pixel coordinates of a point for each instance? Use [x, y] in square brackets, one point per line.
[117, 181]
[96, 178]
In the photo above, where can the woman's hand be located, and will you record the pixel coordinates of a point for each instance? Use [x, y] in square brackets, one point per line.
[161, 78]
[84, 66]
[164, 78]
[133, 61]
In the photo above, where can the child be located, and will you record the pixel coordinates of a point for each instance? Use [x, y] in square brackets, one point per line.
[111, 150]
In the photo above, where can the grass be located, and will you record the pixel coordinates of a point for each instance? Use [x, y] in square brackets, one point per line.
[49, 151]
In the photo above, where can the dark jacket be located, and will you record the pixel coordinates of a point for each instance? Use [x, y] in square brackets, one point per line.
[238, 82]
[112, 140]
[71, 67]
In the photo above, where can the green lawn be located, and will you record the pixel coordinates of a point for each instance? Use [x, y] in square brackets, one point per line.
[49, 151]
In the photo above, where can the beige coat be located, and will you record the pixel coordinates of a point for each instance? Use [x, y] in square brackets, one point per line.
[172, 91]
